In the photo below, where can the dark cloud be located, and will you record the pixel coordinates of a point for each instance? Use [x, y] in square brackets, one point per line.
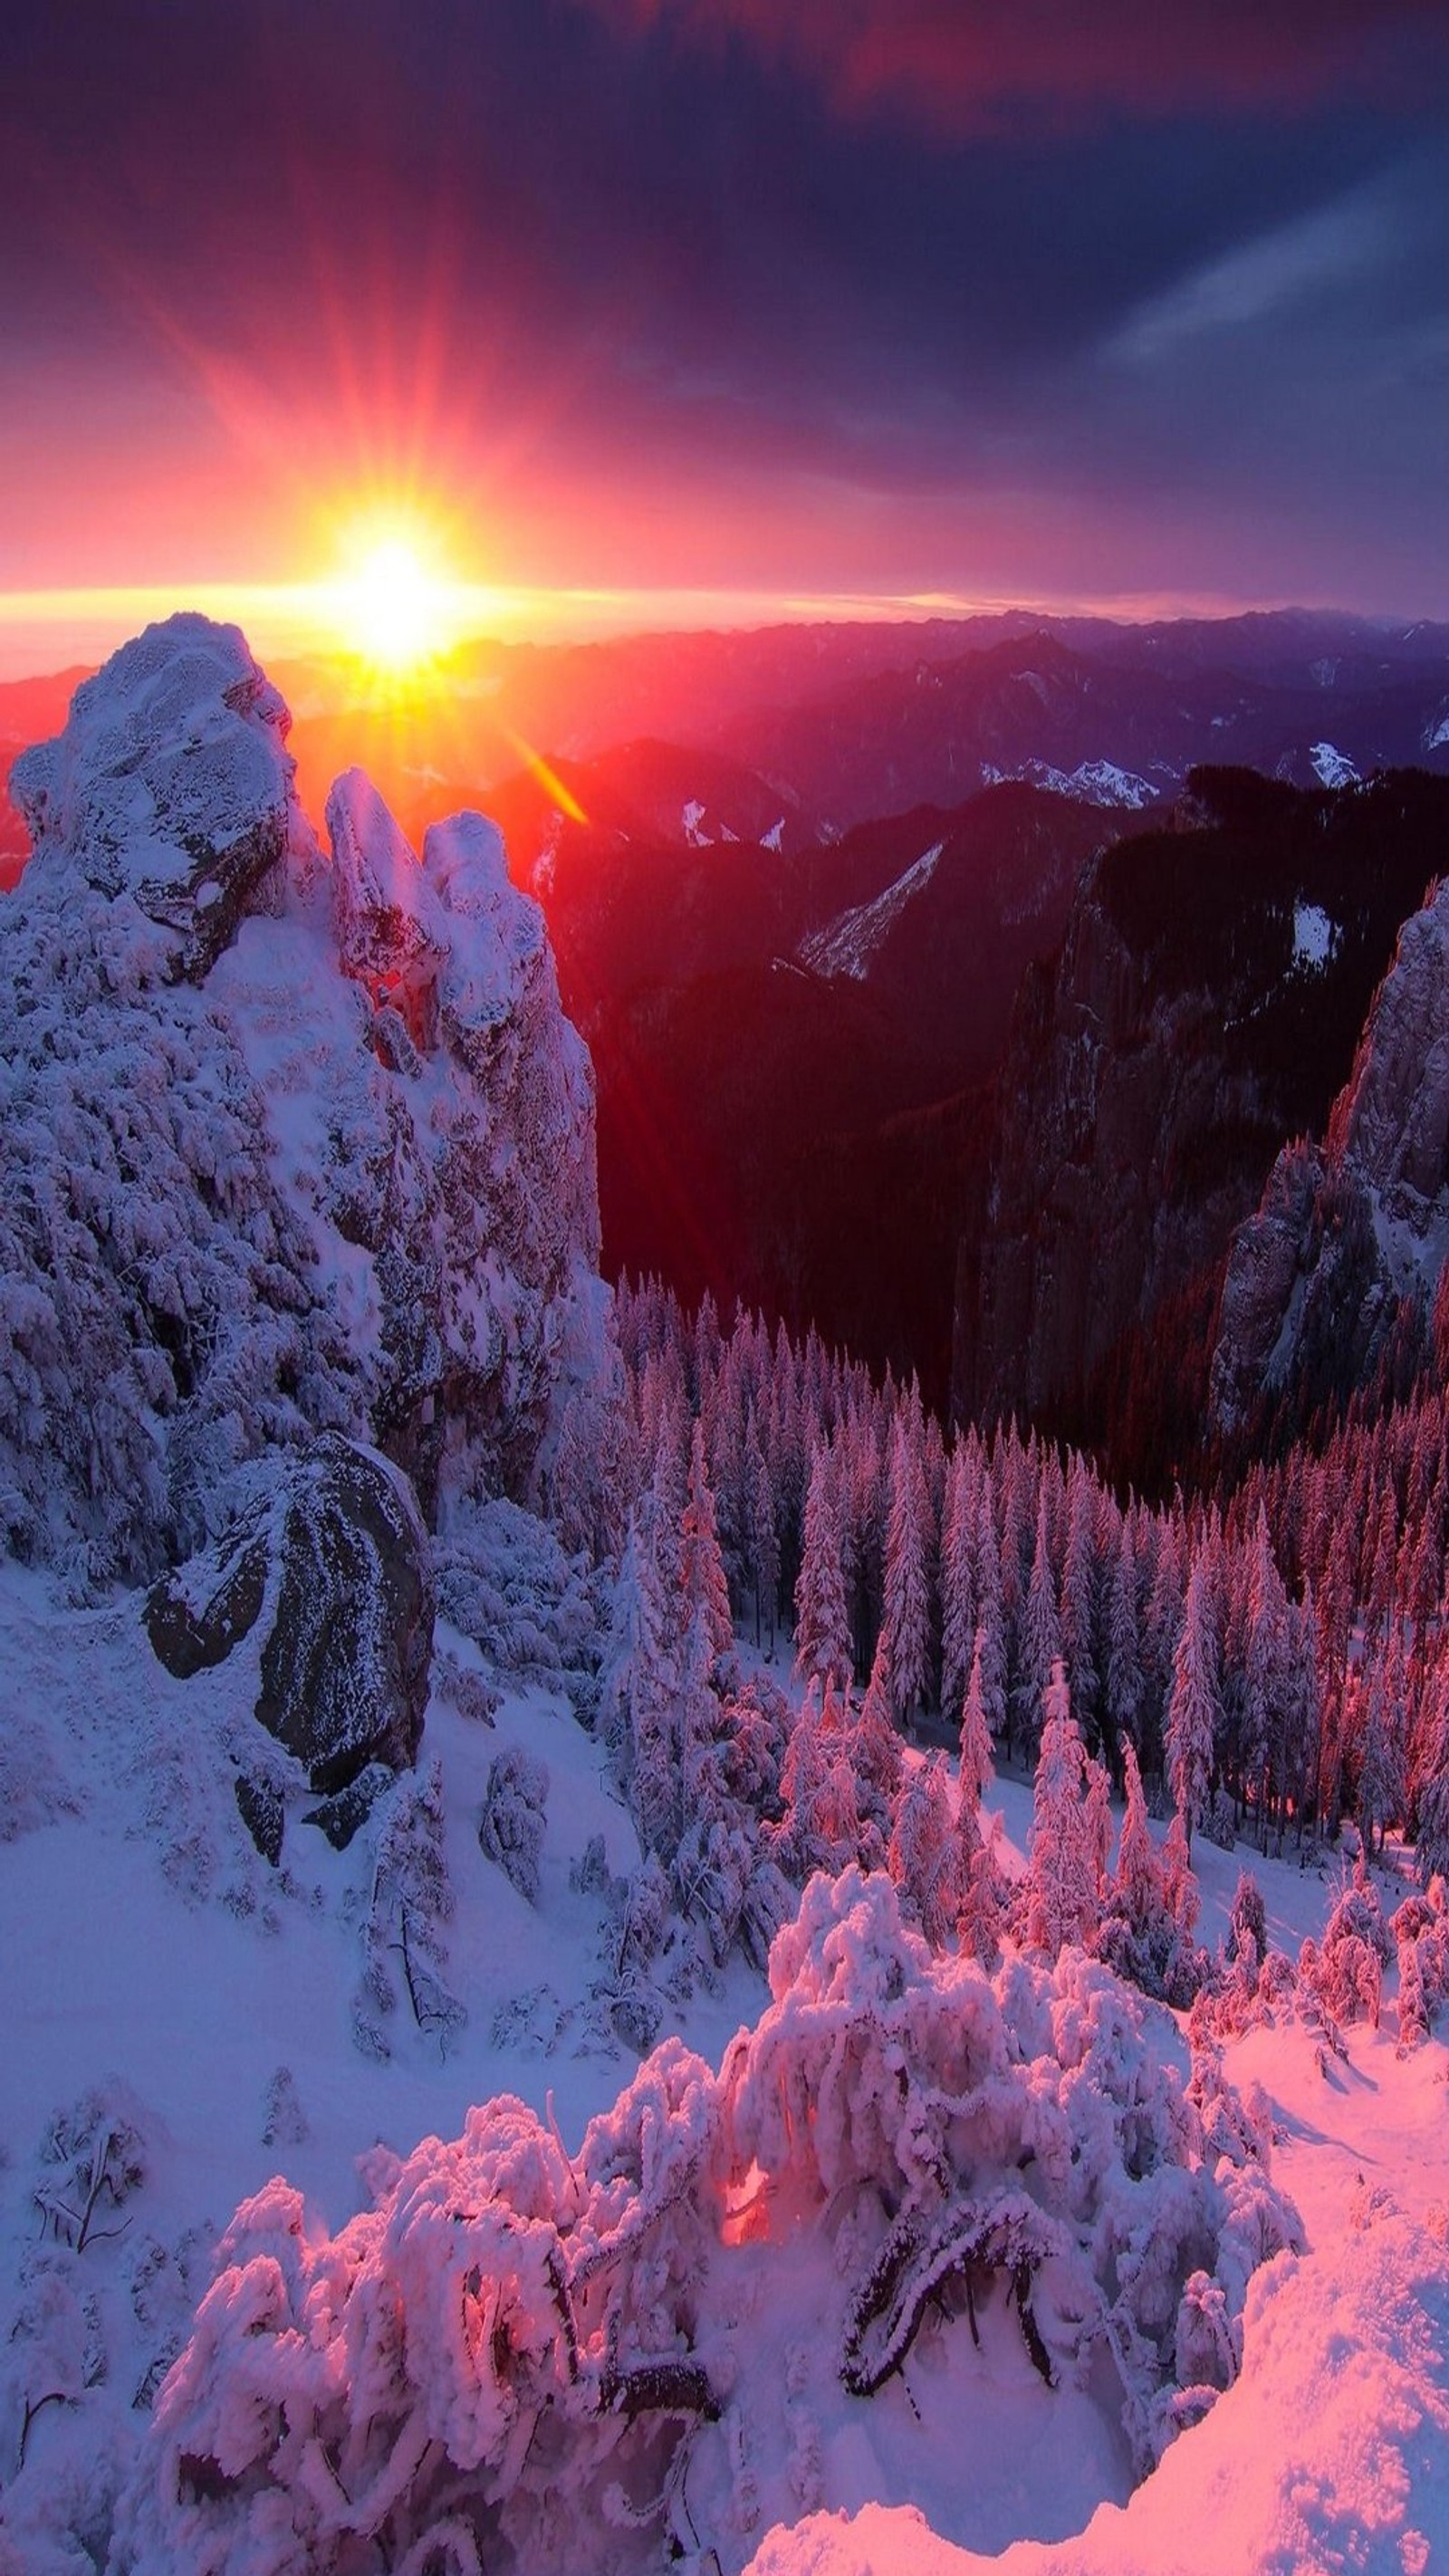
[968, 64]
[612, 262]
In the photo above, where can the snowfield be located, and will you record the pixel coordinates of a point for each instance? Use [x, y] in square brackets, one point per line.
[152, 1955]
[155, 1960]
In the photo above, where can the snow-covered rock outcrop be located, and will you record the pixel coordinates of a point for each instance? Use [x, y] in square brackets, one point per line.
[284, 1146]
[172, 785]
[1350, 1228]
[329, 1563]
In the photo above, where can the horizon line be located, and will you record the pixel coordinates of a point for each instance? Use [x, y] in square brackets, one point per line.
[87, 623]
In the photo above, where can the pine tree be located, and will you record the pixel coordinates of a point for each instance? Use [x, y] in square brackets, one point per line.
[959, 1610]
[1192, 1712]
[1433, 1838]
[822, 1634]
[1248, 1925]
[907, 1619]
[1079, 1596]
[669, 1485]
[984, 1891]
[1097, 1826]
[867, 1524]
[796, 1839]
[1379, 1590]
[1302, 1721]
[1265, 1689]
[723, 1417]
[1161, 1631]
[1149, 1900]
[980, 1880]
[1179, 1885]
[991, 1626]
[648, 1675]
[1382, 1786]
[1060, 1903]
[924, 1855]
[875, 1746]
[701, 1565]
[1124, 1647]
[1138, 1888]
[1041, 1643]
[1413, 2003]
[977, 1765]
[762, 1545]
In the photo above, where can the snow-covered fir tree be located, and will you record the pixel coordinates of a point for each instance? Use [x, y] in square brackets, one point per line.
[1059, 1897]
[1193, 1707]
[701, 1571]
[906, 1616]
[822, 1633]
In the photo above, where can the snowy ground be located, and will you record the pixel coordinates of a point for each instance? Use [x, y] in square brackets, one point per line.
[1331, 2453]
[150, 1952]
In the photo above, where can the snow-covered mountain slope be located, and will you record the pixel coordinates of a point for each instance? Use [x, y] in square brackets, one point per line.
[846, 946]
[286, 1143]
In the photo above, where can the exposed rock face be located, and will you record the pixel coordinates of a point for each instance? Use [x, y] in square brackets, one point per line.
[331, 1558]
[1351, 1229]
[283, 1147]
[1210, 989]
[171, 783]
[1106, 1196]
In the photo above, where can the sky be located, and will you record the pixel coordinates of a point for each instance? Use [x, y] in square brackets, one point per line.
[1137, 304]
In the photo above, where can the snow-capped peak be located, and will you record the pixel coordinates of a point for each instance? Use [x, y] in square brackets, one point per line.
[1092, 782]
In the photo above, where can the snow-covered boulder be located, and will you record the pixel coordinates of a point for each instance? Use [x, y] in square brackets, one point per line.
[332, 1559]
[284, 1147]
[171, 783]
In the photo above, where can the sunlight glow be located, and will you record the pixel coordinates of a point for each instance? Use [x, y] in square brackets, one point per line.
[393, 606]
[397, 611]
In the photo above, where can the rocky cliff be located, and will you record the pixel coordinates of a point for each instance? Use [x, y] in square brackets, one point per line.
[1349, 1241]
[1203, 1011]
[290, 1139]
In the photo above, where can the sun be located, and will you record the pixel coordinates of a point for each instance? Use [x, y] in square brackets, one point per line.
[396, 612]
